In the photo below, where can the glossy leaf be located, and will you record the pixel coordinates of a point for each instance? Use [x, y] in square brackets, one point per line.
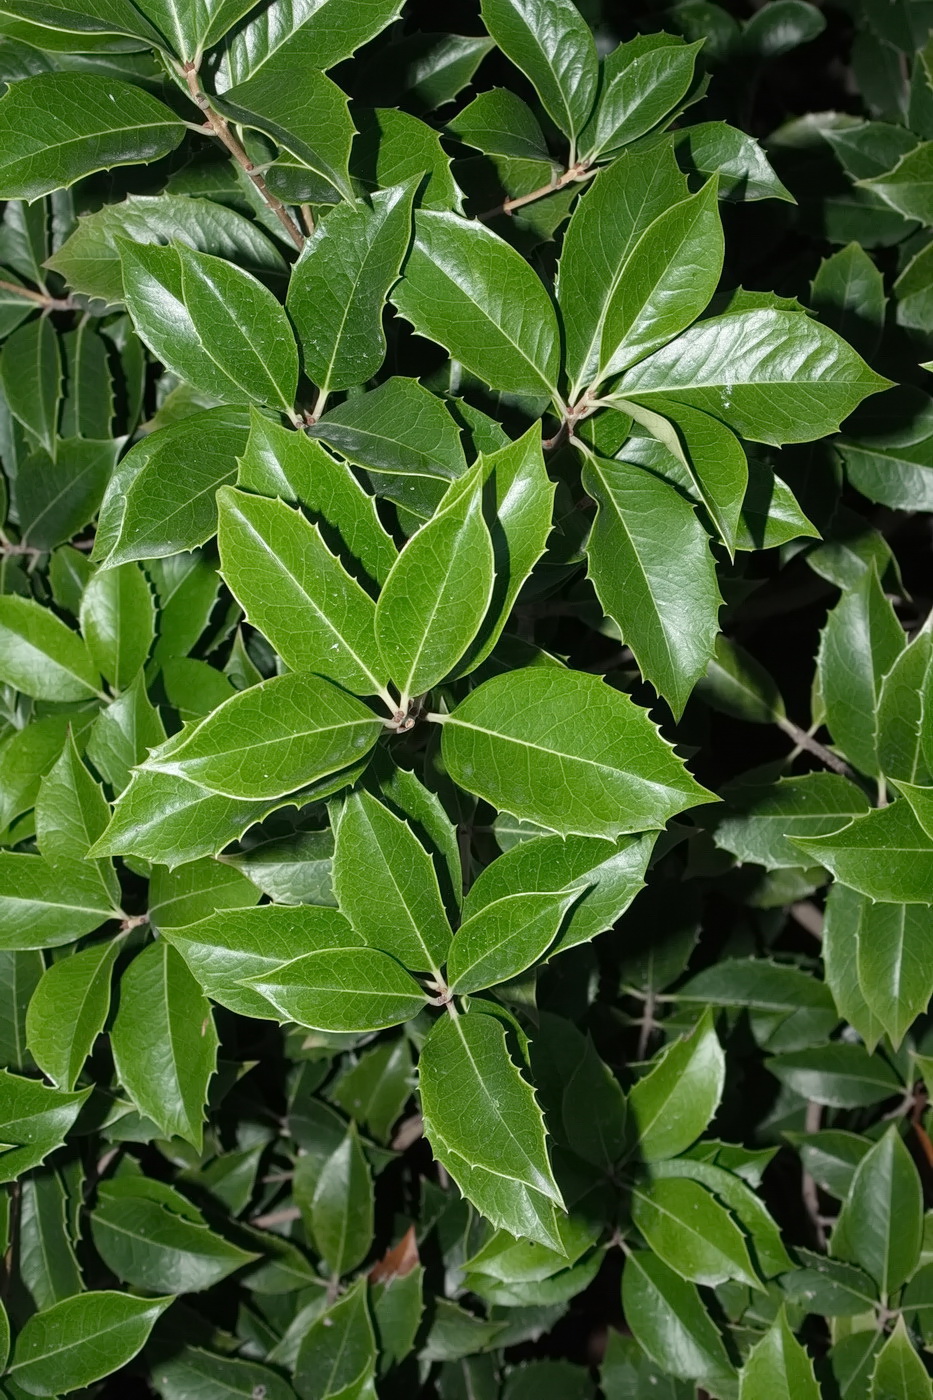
[692, 1232]
[670, 1107]
[503, 938]
[81, 1339]
[341, 989]
[887, 855]
[643, 81]
[879, 1226]
[34, 1120]
[668, 1318]
[778, 1368]
[31, 373]
[41, 656]
[68, 1010]
[118, 622]
[551, 43]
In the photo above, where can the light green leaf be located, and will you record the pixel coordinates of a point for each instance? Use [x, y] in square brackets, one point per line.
[887, 855]
[468, 290]
[436, 596]
[651, 566]
[342, 989]
[643, 81]
[123, 733]
[503, 938]
[906, 187]
[26, 755]
[226, 949]
[893, 964]
[743, 169]
[118, 622]
[692, 1232]
[764, 815]
[34, 1120]
[860, 643]
[309, 729]
[31, 374]
[562, 749]
[58, 127]
[190, 26]
[840, 1074]
[550, 41]
[82, 1339]
[195, 891]
[881, 1220]
[68, 1010]
[211, 323]
[152, 1243]
[775, 376]
[386, 885]
[338, 287]
[668, 1318]
[899, 1372]
[89, 259]
[484, 1125]
[161, 498]
[901, 713]
[329, 30]
[297, 592]
[44, 903]
[767, 1249]
[778, 1368]
[164, 1042]
[670, 1107]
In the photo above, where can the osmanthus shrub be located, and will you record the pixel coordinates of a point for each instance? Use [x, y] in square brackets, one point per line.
[386, 438]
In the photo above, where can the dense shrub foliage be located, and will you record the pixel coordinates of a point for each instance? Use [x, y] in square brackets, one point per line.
[466, 766]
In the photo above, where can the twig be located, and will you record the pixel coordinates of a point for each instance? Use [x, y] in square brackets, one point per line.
[276, 1217]
[40, 298]
[806, 741]
[808, 916]
[576, 174]
[221, 130]
[648, 1024]
[808, 1187]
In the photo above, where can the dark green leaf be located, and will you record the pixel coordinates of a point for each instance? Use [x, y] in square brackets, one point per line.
[34, 1120]
[503, 938]
[880, 1224]
[670, 1107]
[778, 1368]
[68, 1010]
[31, 373]
[668, 1318]
[841, 1074]
[82, 1339]
[550, 41]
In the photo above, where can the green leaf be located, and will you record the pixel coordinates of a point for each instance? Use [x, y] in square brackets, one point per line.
[304, 112]
[848, 295]
[164, 1042]
[899, 1372]
[337, 1355]
[605, 874]
[309, 729]
[387, 886]
[68, 1010]
[692, 1232]
[226, 949]
[437, 593]
[211, 323]
[149, 1244]
[743, 169]
[89, 259]
[393, 146]
[293, 870]
[341, 989]
[82, 1339]
[894, 971]
[118, 622]
[499, 123]
[340, 1212]
[887, 855]
[654, 574]
[503, 938]
[607, 224]
[672, 1105]
[21, 973]
[469, 291]
[756, 369]
[762, 816]
[89, 402]
[778, 1368]
[562, 749]
[550, 41]
[901, 714]
[667, 1316]
[485, 1127]
[31, 374]
[56, 498]
[769, 992]
[840, 1074]
[47, 902]
[58, 127]
[338, 287]
[192, 1372]
[881, 1220]
[190, 26]
[330, 30]
[767, 1249]
[375, 1090]
[906, 187]
[46, 1258]
[643, 82]
[123, 733]
[160, 499]
[195, 891]
[398, 428]
[297, 592]
[859, 645]
[34, 1120]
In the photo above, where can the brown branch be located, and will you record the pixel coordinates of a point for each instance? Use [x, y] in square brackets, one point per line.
[803, 740]
[576, 174]
[221, 130]
[808, 1187]
[809, 917]
[40, 298]
[276, 1217]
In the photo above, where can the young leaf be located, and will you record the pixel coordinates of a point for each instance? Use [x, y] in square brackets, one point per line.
[899, 1372]
[503, 938]
[42, 657]
[297, 592]
[309, 729]
[339, 285]
[642, 82]
[651, 566]
[550, 41]
[562, 749]
[56, 128]
[880, 1224]
[386, 885]
[692, 1232]
[436, 596]
[164, 1042]
[469, 291]
[212, 323]
[778, 1367]
[342, 989]
[68, 1010]
[82, 1339]
[496, 1153]
[674, 1102]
